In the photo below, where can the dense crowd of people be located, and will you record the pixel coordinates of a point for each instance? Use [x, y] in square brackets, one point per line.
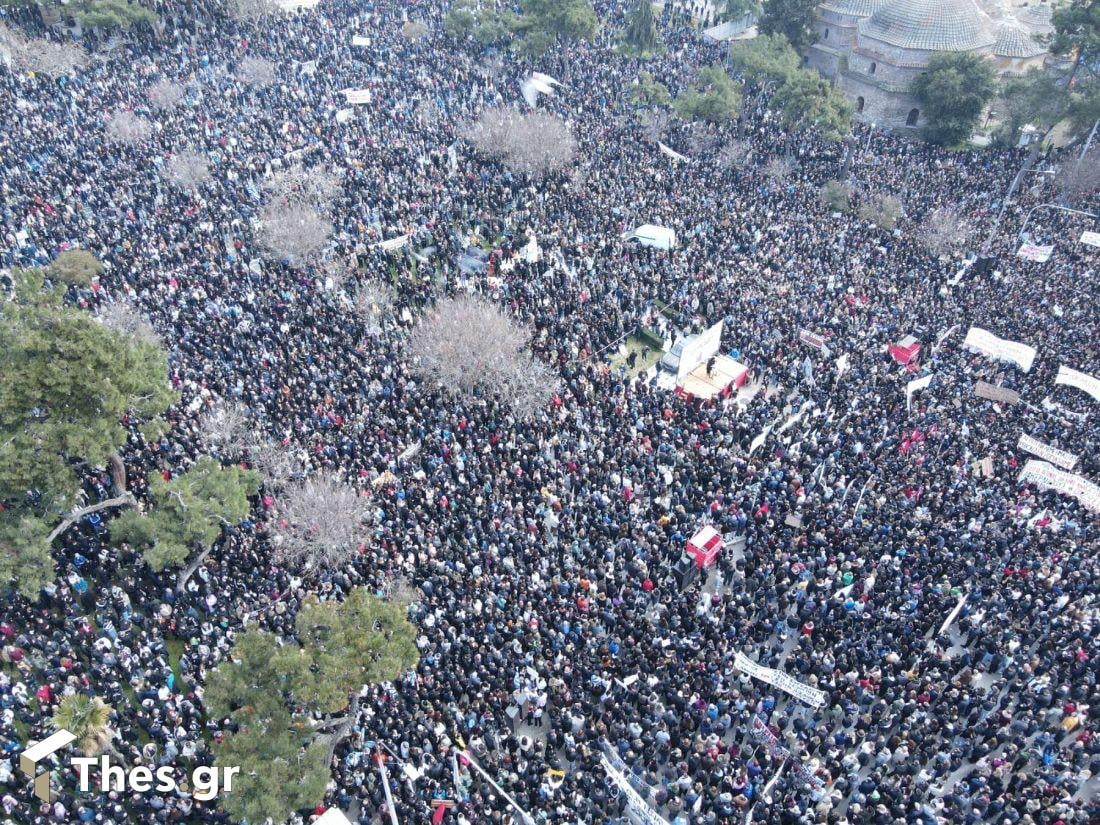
[554, 628]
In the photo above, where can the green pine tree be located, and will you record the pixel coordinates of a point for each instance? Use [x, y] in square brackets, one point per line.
[274, 692]
[69, 380]
[186, 514]
[641, 30]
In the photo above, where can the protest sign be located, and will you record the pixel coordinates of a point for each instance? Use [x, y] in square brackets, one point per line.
[779, 679]
[1090, 238]
[354, 96]
[1033, 252]
[1047, 476]
[1065, 460]
[914, 386]
[1080, 380]
[1001, 395]
[1000, 349]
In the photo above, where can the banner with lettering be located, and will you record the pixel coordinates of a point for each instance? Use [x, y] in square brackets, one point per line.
[1000, 349]
[1080, 380]
[1034, 252]
[1065, 460]
[1047, 476]
[779, 679]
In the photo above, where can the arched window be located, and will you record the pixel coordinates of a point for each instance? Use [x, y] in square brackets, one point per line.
[914, 114]
[873, 67]
[859, 104]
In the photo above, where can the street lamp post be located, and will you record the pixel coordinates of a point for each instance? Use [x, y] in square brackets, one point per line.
[1027, 217]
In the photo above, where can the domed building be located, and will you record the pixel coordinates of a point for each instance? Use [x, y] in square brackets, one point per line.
[875, 49]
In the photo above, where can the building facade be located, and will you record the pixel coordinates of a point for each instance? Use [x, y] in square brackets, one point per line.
[875, 49]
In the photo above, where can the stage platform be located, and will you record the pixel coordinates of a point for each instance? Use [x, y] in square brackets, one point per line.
[726, 375]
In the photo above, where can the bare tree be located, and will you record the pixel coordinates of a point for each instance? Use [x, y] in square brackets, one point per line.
[249, 11]
[733, 154]
[532, 142]
[278, 464]
[315, 187]
[256, 71]
[655, 124]
[1080, 177]
[123, 316]
[166, 94]
[881, 210]
[187, 169]
[373, 302]
[293, 232]
[944, 231]
[42, 56]
[703, 138]
[415, 30]
[227, 429]
[466, 344]
[778, 169]
[428, 112]
[400, 590]
[125, 127]
[321, 523]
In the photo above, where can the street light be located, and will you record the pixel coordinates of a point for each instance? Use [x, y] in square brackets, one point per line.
[1020, 234]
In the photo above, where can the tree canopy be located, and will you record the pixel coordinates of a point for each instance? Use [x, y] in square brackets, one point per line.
[69, 381]
[641, 29]
[806, 100]
[953, 92]
[187, 513]
[542, 22]
[714, 97]
[792, 18]
[765, 61]
[274, 691]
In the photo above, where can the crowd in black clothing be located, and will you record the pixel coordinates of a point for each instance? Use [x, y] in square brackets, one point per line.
[543, 552]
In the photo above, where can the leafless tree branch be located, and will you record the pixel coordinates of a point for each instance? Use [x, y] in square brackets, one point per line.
[321, 523]
[466, 344]
[536, 143]
[187, 169]
[125, 127]
[256, 71]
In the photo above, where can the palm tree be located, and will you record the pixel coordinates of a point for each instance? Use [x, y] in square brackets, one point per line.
[86, 718]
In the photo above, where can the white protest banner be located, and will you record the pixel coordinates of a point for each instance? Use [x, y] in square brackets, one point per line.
[841, 365]
[914, 386]
[638, 806]
[1080, 380]
[359, 40]
[1065, 460]
[308, 68]
[953, 615]
[1001, 349]
[810, 339]
[1033, 252]
[1048, 476]
[344, 115]
[354, 96]
[394, 243]
[794, 419]
[672, 153]
[760, 439]
[779, 679]
[1090, 238]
